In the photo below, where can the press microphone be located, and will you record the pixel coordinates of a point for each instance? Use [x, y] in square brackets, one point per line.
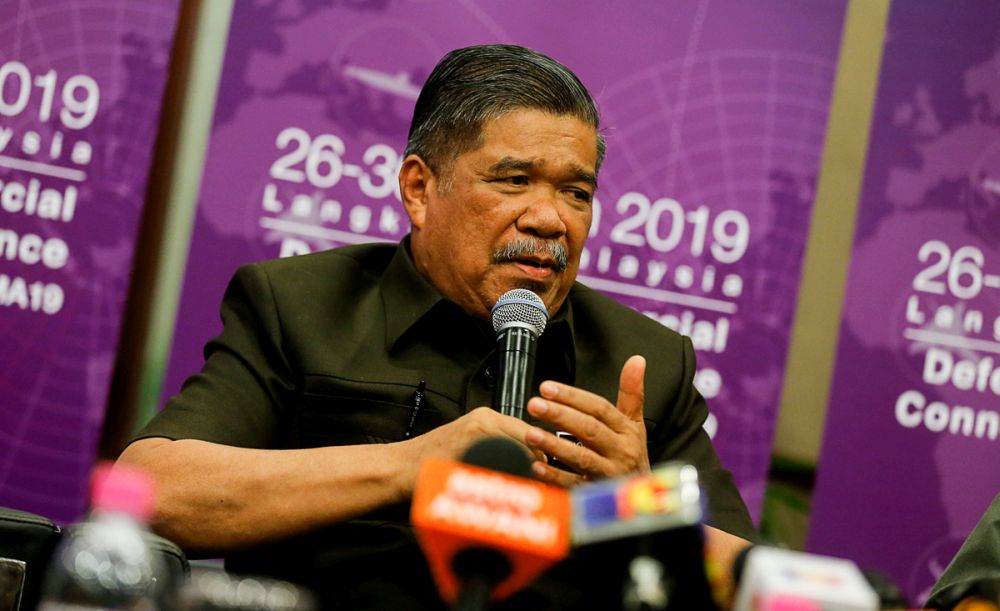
[778, 579]
[646, 529]
[519, 318]
[485, 528]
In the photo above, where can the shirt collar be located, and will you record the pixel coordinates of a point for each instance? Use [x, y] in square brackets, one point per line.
[406, 294]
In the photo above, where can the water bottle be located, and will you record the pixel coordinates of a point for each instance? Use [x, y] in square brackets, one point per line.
[104, 562]
[212, 589]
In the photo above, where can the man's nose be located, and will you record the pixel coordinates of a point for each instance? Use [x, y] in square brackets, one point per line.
[541, 217]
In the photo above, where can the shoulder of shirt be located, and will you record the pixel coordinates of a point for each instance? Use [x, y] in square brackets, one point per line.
[594, 311]
[373, 258]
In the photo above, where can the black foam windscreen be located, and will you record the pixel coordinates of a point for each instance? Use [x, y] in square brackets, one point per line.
[499, 454]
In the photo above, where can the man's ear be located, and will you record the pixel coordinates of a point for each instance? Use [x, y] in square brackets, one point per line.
[416, 181]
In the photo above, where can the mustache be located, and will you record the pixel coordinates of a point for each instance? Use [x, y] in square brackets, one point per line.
[533, 247]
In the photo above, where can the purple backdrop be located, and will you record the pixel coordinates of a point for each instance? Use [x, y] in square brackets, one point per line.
[714, 111]
[910, 457]
[80, 89]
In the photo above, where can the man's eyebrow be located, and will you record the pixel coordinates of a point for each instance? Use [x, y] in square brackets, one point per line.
[508, 164]
[584, 176]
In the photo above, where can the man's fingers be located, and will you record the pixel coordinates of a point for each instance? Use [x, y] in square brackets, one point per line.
[613, 437]
[631, 393]
[570, 408]
[513, 428]
[576, 456]
[552, 475]
[586, 428]
[582, 400]
[455, 438]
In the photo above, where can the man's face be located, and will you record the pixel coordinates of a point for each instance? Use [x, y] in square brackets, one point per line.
[502, 215]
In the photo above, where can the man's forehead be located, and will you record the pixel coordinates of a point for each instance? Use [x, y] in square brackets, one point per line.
[542, 119]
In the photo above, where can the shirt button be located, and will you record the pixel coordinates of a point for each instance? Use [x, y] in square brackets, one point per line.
[488, 374]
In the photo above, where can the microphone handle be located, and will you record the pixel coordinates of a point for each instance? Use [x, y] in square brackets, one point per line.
[515, 370]
[474, 595]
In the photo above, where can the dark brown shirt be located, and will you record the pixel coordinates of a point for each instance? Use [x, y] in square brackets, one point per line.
[329, 349]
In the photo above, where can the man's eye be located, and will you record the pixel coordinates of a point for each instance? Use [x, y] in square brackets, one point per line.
[581, 196]
[519, 180]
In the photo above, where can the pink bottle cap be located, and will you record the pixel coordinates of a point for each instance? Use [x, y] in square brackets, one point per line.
[784, 602]
[122, 488]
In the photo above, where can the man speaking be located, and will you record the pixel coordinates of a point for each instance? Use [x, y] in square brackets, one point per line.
[295, 450]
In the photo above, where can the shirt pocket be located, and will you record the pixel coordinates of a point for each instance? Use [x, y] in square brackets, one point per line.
[334, 411]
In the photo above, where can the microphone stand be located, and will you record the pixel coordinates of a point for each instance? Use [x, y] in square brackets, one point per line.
[478, 570]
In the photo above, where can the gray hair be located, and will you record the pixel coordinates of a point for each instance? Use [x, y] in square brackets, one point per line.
[474, 85]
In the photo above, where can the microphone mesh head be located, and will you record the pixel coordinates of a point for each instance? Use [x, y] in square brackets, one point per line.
[520, 305]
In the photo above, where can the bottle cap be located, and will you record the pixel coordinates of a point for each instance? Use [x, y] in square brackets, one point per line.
[122, 488]
[784, 602]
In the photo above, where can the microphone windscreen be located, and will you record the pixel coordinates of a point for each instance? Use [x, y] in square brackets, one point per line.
[499, 454]
[520, 306]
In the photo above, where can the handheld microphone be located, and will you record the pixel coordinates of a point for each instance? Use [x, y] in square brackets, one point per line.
[485, 533]
[776, 579]
[519, 318]
[648, 528]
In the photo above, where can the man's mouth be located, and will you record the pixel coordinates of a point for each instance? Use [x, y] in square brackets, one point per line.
[534, 262]
[536, 267]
